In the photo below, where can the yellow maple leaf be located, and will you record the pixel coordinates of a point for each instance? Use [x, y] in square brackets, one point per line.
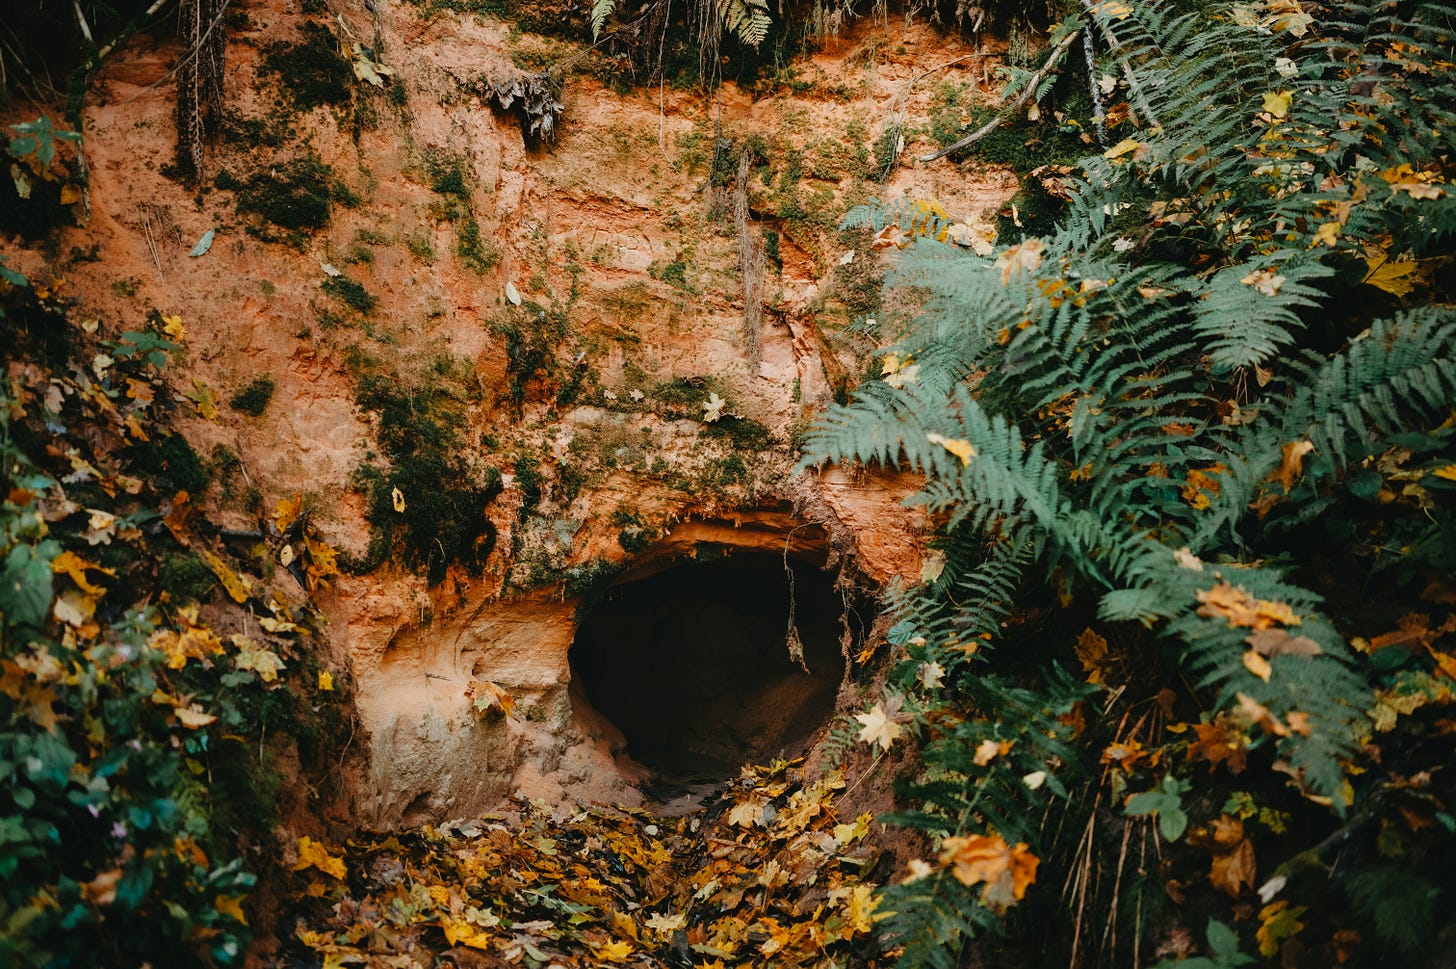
[203, 399]
[1291, 465]
[859, 909]
[286, 512]
[961, 449]
[326, 681]
[1276, 103]
[458, 932]
[172, 326]
[1026, 256]
[665, 925]
[1006, 871]
[1277, 921]
[988, 750]
[1127, 146]
[877, 728]
[1391, 275]
[1113, 8]
[748, 812]
[487, 698]
[314, 854]
[616, 951]
[73, 565]
[251, 656]
[1417, 185]
[1328, 234]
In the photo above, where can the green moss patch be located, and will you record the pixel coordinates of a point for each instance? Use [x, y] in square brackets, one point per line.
[294, 194]
[313, 71]
[254, 397]
[428, 501]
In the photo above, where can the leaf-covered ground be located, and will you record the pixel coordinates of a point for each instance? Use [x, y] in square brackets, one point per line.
[768, 874]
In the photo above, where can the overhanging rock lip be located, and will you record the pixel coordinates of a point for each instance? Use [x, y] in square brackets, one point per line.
[773, 528]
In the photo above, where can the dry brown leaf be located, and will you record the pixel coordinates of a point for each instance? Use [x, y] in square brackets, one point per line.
[1277, 642]
[1259, 714]
[1291, 466]
[1219, 743]
[1233, 872]
[1005, 871]
[1026, 256]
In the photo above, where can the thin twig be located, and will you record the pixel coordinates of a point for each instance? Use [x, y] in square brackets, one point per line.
[152, 243]
[1013, 107]
[1135, 93]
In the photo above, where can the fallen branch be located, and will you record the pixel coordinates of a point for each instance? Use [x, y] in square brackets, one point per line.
[1013, 107]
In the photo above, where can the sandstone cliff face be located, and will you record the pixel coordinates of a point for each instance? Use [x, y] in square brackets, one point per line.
[578, 309]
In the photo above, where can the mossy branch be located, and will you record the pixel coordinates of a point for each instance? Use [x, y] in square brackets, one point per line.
[1006, 113]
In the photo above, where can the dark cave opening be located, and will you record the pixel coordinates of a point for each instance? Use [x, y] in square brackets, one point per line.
[693, 665]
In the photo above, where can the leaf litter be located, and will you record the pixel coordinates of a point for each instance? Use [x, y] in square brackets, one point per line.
[768, 874]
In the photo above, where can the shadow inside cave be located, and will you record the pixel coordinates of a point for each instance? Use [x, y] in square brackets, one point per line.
[693, 665]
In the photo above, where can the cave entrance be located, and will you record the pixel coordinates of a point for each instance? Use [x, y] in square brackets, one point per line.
[693, 665]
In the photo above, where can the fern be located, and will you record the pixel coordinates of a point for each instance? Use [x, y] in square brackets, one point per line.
[1088, 409]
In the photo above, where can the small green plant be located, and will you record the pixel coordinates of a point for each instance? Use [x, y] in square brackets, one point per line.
[1165, 803]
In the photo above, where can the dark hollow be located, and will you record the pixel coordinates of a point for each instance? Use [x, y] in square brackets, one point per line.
[691, 664]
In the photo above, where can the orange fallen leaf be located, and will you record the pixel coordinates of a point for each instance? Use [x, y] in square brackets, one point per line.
[1291, 465]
